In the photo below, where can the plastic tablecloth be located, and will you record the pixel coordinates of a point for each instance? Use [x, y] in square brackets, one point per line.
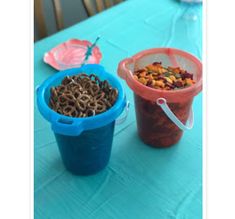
[140, 181]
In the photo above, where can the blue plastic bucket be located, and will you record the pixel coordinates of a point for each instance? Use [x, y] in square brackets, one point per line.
[84, 143]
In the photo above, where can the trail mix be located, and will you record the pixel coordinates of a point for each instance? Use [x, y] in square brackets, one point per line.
[82, 95]
[158, 77]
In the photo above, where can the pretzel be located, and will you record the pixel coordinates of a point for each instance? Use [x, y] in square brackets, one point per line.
[59, 110]
[67, 92]
[85, 79]
[77, 94]
[76, 90]
[105, 85]
[80, 105]
[108, 104]
[92, 105]
[84, 92]
[84, 98]
[90, 112]
[96, 79]
[100, 106]
[69, 97]
[62, 100]
[70, 111]
[87, 85]
[77, 79]
[113, 95]
[78, 87]
[74, 77]
[94, 89]
[54, 92]
[99, 96]
[61, 89]
[74, 113]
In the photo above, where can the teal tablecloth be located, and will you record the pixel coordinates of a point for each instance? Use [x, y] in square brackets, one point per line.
[140, 182]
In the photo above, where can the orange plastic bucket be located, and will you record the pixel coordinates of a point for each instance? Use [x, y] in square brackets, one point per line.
[161, 114]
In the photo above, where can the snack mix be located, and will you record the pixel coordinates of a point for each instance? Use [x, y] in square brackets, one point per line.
[158, 77]
[82, 95]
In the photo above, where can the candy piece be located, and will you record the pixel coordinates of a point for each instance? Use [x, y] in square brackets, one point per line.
[142, 81]
[186, 75]
[159, 83]
[169, 80]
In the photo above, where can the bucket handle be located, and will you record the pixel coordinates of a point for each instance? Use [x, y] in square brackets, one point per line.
[163, 104]
[123, 119]
[66, 126]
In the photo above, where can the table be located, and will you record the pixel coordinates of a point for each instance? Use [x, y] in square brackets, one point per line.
[139, 182]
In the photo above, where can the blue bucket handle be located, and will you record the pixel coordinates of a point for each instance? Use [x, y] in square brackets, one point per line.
[163, 104]
[66, 126]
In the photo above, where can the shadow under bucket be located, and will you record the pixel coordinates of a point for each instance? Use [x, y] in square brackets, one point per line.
[84, 143]
[162, 115]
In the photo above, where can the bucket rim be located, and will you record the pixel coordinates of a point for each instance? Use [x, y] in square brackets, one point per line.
[135, 85]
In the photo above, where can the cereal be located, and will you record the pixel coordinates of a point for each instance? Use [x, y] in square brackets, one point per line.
[159, 83]
[142, 80]
[172, 77]
[168, 80]
[82, 95]
[158, 77]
